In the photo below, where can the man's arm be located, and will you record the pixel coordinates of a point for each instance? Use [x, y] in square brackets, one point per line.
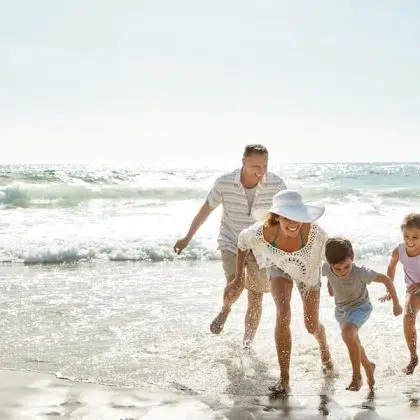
[198, 220]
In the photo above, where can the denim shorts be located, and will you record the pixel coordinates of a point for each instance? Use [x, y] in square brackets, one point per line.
[275, 272]
[357, 316]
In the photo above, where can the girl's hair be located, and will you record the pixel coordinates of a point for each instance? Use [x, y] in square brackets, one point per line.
[271, 219]
[338, 249]
[411, 221]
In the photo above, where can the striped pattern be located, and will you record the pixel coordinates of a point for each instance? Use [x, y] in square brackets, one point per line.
[228, 191]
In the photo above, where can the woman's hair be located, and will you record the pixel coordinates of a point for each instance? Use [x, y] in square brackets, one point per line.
[338, 249]
[271, 219]
[411, 221]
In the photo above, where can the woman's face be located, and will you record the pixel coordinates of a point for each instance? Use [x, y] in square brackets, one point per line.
[290, 227]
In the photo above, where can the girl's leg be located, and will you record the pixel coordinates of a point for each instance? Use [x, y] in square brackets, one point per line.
[412, 307]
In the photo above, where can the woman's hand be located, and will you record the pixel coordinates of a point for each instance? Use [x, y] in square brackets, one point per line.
[234, 288]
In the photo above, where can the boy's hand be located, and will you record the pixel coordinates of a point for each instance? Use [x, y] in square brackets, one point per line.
[413, 289]
[385, 298]
[397, 309]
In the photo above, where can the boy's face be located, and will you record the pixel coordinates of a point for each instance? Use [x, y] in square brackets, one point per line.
[343, 268]
[412, 239]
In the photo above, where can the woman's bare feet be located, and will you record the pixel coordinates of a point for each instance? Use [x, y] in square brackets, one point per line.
[409, 369]
[216, 327]
[281, 387]
[327, 364]
[370, 375]
[355, 384]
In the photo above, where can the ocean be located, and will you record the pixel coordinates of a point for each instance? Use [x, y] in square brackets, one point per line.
[92, 291]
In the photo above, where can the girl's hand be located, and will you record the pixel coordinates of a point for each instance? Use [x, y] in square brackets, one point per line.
[385, 298]
[413, 289]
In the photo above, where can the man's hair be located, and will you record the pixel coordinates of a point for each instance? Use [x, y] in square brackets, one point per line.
[251, 149]
[411, 221]
[337, 249]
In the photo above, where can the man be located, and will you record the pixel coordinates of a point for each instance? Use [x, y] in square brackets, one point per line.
[240, 192]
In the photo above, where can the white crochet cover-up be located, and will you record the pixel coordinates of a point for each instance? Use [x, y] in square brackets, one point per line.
[302, 266]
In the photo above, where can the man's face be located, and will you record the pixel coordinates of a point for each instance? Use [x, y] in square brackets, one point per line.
[255, 166]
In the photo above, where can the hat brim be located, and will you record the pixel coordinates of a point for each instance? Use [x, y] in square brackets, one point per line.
[306, 213]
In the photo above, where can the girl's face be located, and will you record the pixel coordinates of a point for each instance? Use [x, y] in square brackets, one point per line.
[290, 227]
[412, 240]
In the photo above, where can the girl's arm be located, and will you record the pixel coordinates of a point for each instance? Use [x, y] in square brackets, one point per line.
[395, 256]
[393, 263]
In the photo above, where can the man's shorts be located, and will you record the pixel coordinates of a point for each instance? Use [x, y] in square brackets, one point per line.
[256, 278]
[357, 316]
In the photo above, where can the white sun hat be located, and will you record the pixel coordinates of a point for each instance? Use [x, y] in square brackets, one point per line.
[288, 203]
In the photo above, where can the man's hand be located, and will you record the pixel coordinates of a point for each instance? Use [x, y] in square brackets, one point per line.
[180, 244]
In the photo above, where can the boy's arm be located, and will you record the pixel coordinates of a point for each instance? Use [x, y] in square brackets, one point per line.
[389, 284]
[330, 290]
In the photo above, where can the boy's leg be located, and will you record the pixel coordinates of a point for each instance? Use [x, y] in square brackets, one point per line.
[229, 267]
[351, 321]
[412, 307]
[368, 366]
[350, 336]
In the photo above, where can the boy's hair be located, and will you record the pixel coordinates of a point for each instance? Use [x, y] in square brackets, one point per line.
[411, 221]
[337, 249]
[251, 149]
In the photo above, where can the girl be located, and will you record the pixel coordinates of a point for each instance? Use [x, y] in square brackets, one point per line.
[408, 254]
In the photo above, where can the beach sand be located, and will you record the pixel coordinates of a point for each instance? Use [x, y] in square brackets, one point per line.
[32, 395]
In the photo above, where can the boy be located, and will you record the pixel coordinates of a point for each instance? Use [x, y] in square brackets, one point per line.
[347, 283]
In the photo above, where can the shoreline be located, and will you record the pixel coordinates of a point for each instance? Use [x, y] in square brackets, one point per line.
[33, 395]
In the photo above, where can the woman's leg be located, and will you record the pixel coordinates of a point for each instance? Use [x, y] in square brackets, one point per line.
[281, 289]
[310, 299]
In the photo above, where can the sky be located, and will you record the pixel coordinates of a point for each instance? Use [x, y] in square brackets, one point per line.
[192, 82]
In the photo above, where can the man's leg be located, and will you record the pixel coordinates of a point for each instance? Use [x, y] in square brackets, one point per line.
[256, 281]
[229, 267]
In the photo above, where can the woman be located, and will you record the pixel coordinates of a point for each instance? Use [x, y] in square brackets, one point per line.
[291, 245]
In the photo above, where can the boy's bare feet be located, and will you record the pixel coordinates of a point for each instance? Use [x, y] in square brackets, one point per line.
[355, 384]
[370, 375]
[216, 327]
[409, 369]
